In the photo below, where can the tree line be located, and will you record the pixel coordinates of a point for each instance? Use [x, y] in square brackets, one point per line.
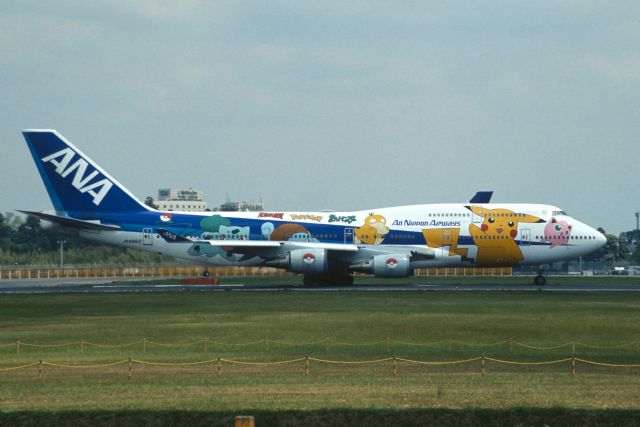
[623, 249]
[23, 241]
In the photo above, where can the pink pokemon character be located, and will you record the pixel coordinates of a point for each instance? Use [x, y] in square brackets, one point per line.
[557, 232]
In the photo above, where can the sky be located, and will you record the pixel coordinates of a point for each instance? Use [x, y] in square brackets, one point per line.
[333, 105]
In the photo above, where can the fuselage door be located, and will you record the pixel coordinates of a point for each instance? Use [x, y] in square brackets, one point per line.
[525, 237]
[147, 236]
[477, 219]
[446, 237]
[348, 236]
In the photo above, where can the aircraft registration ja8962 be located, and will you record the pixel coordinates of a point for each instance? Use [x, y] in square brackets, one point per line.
[325, 247]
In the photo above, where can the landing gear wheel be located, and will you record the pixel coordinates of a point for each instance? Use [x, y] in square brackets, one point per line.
[205, 273]
[539, 280]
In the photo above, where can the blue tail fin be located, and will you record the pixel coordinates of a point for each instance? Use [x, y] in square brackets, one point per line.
[76, 185]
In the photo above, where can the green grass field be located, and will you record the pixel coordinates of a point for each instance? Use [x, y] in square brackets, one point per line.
[297, 324]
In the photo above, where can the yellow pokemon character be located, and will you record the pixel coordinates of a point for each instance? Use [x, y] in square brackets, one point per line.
[373, 231]
[439, 237]
[495, 238]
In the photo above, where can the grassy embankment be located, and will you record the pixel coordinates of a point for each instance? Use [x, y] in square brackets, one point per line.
[539, 319]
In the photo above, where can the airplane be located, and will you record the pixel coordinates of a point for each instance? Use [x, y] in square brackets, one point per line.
[324, 247]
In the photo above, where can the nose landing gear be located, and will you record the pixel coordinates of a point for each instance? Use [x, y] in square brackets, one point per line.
[540, 280]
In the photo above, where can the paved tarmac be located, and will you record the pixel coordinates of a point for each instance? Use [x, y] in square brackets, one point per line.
[110, 285]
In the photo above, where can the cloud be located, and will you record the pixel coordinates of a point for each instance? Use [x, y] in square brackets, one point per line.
[330, 100]
[617, 68]
[23, 37]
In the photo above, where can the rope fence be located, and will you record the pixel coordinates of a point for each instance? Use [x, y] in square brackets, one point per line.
[572, 362]
[326, 342]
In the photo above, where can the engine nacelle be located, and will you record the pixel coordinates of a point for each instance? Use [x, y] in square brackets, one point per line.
[386, 265]
[302, 261]
[308, 261]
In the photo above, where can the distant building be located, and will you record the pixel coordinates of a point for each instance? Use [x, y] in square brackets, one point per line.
[172, 199]
[242, 206]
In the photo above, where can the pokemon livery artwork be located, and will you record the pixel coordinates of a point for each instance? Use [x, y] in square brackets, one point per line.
[557, 232]
[496, 236]
[325, 247]
[373, 231]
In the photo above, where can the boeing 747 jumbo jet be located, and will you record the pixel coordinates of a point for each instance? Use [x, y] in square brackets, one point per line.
[325, 247]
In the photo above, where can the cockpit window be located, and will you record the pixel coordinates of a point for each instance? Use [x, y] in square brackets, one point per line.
[555, 213]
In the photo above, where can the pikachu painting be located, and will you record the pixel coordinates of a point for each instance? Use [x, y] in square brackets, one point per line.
[496, 236]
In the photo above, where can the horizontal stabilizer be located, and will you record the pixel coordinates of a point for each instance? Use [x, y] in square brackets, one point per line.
[70, 222]
[171, 237]
[482, 197]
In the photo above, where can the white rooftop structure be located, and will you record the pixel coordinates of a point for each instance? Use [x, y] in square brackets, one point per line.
[180, 199]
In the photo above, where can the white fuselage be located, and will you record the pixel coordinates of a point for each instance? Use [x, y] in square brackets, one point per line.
[457, 234]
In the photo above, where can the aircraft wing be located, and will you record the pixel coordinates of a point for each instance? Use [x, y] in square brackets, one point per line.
[241, 243]
[422, 253]
[341, 247]
[243, 246]
[71, 222]
[269, 249]
[275, 244]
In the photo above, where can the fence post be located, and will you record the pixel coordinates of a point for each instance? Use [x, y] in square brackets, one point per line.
[573, 365]
[244, 421]
[40, 370]
[326, 340]
[306, 365]
[219, 366]
[395, 367]
[573, 347]
[483, 364]
[18, 348]
[130, 373]
[206, 345]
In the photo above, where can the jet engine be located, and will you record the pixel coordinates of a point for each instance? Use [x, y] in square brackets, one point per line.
[385, 265]
[302, 261]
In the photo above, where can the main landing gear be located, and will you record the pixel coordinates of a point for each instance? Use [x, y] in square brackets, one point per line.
[205, 273]
[327, 279]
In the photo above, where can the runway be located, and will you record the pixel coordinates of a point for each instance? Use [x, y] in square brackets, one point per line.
[56, 286]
